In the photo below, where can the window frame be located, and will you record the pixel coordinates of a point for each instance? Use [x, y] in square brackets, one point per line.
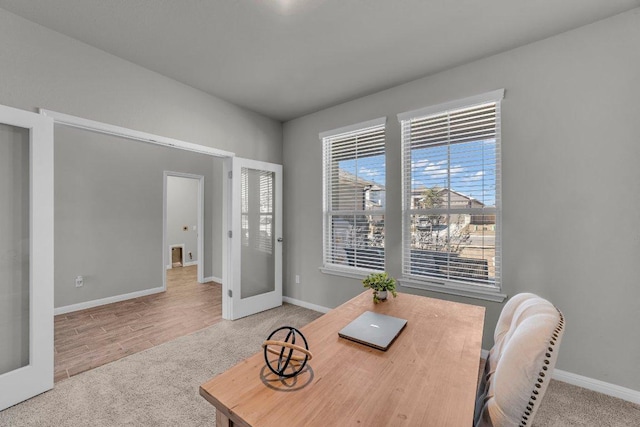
[327, 266]
[447, 285]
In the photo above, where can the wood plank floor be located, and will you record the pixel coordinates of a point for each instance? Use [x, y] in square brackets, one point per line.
[90, 338]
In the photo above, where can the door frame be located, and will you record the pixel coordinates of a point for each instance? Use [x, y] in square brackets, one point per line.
[138, 136]
[37, 376]
[144, 137]
[166, 260]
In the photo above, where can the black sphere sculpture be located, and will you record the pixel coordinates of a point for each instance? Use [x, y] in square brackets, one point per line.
[291, 356]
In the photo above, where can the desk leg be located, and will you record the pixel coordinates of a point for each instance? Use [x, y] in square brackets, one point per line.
[222, 420]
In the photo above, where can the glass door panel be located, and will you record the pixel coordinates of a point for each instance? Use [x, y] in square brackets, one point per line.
[257, 257]
[14, 248]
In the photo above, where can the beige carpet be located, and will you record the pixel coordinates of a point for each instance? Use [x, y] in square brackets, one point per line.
[159, 387]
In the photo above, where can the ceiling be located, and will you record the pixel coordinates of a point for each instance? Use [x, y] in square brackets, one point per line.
[288, 58]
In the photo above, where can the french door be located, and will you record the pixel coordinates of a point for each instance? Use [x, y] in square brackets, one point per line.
[26, 255]
[255, 261]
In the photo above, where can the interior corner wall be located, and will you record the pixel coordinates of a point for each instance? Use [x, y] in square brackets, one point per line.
[182, 211]
[45, 69]
[570, 186]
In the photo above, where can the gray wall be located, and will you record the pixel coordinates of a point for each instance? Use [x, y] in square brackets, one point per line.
[571, 186]
[42, 68]
[108, 213]
[182, 211]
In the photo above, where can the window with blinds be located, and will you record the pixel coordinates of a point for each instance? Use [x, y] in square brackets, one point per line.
[451, 192]
[354, 196]
[256, 206]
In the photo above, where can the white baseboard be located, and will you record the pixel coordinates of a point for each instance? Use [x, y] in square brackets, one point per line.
[597, 385]
[103, 301]
[609, 389]
[304, 304]
[212, 279]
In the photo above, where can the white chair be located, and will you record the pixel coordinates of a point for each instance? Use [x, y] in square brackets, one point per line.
[519, 366]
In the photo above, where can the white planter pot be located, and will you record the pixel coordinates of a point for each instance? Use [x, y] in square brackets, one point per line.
[382, 295]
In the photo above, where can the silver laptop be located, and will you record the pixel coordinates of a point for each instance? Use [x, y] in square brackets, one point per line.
[373, 329]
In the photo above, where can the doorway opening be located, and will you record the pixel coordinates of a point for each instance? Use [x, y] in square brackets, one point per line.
[119, 217]
[184, 228]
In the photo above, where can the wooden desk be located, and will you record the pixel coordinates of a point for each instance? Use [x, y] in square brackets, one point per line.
[428, 376]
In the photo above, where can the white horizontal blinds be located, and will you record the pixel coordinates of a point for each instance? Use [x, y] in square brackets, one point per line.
[451, 195]
[265, 238]
[257, 201]
[354, 174]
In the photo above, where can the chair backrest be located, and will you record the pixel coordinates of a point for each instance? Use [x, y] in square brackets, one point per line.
[519, 366]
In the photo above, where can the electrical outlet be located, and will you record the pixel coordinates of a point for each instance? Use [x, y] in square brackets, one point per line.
[297, 278]
[79, 281]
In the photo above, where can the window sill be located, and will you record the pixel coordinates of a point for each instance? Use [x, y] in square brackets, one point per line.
[469, 291]
[352, 273]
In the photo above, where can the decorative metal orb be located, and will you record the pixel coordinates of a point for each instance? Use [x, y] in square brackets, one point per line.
[292, 357]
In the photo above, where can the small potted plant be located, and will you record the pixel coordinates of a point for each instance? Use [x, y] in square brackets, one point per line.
[380, 283]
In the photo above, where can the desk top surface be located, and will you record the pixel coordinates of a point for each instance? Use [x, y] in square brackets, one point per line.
[427, 377]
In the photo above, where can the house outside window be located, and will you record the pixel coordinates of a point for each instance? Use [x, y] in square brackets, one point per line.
[451, 196]
[354, 196]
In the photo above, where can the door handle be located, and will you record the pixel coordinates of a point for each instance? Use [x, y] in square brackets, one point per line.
[280, 239]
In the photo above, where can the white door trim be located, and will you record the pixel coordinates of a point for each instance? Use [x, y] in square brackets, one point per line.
[227, 246]
[105, 128]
